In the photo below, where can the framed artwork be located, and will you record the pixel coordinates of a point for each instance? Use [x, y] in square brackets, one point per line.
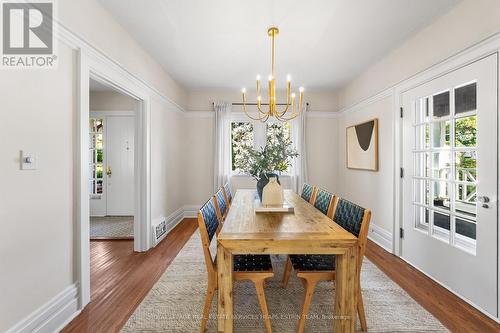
[362, 146]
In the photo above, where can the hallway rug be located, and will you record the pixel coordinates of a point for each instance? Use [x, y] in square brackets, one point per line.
[112, 227]
[175, 303]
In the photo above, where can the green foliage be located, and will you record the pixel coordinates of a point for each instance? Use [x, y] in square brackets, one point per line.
[276, 156]
[466, 132]
[241, 139]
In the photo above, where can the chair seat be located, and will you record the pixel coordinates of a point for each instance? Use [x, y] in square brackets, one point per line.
[313, 262]
[252, 263]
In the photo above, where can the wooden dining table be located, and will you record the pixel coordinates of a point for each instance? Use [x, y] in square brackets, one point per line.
[305, 231]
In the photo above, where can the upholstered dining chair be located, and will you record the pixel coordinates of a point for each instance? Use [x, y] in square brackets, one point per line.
[227, 193]
[256, 268]
[308, 193]
[324, 201]
[318, 267]
[221, 204]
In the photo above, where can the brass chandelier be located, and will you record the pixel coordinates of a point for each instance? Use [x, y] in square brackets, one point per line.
[289, 111]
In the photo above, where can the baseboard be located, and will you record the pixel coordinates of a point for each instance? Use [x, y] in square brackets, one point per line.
[174, 218]
[381, 237]
[53, 315]
[191, 211]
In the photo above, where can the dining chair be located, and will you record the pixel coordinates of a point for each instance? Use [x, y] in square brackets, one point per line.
[324, 201]
[221, 204]
[319, 267]
[227, 193]
[308, 193]
[256, 268]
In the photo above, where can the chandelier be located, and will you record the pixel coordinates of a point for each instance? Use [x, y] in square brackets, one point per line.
[289, 111]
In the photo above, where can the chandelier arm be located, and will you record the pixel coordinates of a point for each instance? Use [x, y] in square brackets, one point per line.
[249, 116]
[264, 119]
[280, 114]
[284, 119]
[260, 110]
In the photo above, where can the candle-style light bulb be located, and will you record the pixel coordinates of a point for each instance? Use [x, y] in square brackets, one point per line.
[288, 78]
[258, 77]
[293, 95]
[243, 90]
[270, 77]
[259, 98]
[301, 89]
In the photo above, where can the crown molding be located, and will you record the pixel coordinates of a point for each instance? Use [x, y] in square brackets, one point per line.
[74, 41]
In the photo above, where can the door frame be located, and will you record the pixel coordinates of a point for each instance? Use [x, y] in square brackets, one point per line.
[474, 53]
[93, 65]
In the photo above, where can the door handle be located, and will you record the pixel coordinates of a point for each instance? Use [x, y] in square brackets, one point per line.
[484, 200]
[108, 171]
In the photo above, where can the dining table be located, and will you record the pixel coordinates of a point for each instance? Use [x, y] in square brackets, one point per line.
[306, 230]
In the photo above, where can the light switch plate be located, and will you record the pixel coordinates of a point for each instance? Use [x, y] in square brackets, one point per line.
[28, 160]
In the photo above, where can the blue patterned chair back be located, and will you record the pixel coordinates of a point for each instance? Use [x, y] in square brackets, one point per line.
[210, 219]
[307, 192]
[323, 201]
[227, 189]
[221, 202]
[349, 216]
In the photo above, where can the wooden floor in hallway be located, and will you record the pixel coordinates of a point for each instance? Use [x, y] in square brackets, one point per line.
[120, 279]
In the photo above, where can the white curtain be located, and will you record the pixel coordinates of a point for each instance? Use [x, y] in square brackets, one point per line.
[299, 172]
[222, 160]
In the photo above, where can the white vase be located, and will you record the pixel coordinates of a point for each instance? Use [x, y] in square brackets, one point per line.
[272, 194]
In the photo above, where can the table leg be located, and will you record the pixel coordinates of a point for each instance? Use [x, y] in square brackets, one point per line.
[345, 292]
[225, 286]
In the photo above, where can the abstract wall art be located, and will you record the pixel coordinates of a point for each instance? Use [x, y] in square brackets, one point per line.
[362, 146]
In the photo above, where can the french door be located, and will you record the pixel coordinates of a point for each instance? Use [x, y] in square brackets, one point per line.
[449, 155]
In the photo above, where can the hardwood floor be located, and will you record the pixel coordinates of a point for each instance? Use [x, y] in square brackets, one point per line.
[450, 310]
[120, 279]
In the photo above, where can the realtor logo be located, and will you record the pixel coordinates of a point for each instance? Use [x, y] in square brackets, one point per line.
[27, 38]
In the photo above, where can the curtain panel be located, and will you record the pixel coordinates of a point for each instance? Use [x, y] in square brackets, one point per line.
[222, 160]
[299, 170]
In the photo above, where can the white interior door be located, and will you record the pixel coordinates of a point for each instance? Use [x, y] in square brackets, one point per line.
[450, 184]
[120, 165]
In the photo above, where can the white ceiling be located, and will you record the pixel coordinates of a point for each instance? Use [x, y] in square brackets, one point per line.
[223, 44]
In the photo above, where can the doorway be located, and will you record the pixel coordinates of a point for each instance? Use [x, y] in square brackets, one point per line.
[449, 201]
[111, 167]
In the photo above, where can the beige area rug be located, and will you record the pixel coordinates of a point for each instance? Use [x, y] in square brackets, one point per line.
[109, 227]
[176, 301]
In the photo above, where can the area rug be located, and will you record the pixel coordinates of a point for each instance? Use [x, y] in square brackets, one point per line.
[175, 303]
[112, 227]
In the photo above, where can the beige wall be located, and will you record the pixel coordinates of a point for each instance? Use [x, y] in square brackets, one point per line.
[37, 212]
[37, 208]
[198, 154]
[322, 152]
[370, 189]
[112, 101]
[167, 162]
[107, 35]
[466, 24]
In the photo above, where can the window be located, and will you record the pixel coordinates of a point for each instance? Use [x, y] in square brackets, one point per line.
[276, 129]
[445, 168]
[245, 134]
[96, 156]
[241, 138]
